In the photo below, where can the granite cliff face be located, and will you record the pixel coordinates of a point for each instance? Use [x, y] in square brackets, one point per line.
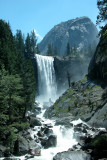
[80, 32]
[75, 66]
[97, 70]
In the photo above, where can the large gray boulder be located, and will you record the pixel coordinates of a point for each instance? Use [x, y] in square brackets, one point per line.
[72, 155]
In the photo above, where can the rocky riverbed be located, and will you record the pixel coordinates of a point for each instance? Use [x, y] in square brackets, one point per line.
[91, 141]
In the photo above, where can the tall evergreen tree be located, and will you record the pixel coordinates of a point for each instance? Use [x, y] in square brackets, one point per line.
[68, 49]
[7, 47]
[55, 51]
[17, 83]
[28, 49]
[33, 42]
[49, 51]
[10, 93]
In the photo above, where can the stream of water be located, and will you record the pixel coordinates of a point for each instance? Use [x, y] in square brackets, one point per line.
[47, 91]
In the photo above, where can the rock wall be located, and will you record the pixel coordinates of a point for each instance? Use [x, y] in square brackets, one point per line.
[75, 66]
[83, 100]
[97, 70]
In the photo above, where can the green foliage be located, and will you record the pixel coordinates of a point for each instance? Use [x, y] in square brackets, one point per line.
[100, 142]
[102, 6]
[17, 83]
[20, 126]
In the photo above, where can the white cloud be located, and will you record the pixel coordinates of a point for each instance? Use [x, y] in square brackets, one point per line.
[37, 35]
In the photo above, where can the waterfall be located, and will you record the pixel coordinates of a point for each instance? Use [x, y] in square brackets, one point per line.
[46, 78]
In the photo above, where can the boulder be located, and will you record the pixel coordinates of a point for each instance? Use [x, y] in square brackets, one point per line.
[28, 156]
[23, 145]
[2, 150]
[35, 122]
[72, 155]
[51, 141]
[1, 154]
[48, 131]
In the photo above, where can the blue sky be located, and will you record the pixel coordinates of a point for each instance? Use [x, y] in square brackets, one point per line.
[42, 15]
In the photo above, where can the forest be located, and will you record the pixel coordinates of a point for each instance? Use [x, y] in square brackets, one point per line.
[17, 83]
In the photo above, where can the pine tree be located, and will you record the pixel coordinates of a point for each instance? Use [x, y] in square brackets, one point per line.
[49, 51]
[7, 47]
[10, 93]
[28, 49]
[55, 51]
[68, 49]
[33, 42]
[102, 6]
[17, 83]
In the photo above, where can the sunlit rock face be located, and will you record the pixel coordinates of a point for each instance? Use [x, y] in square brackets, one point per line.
[80, 32]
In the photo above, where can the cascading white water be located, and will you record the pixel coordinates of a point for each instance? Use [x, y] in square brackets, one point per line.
[46, 78]
[47, 89]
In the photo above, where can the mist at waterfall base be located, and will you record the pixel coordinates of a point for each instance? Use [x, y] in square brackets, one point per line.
[48, 93]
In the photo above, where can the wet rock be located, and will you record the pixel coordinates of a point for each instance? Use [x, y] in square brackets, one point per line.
[23, 145]
[72, 155]
[35, 122]
[80, 137]
[10, 158]
[49, 125]
[35, 151]
[33, 144]
[28, 156]
[2, 150]
[40, 134]
[51, 141]
[64, 121]
[48, 131]
[1, 154]
[76, 147]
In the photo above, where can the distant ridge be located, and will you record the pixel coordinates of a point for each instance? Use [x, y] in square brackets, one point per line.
[80, 32]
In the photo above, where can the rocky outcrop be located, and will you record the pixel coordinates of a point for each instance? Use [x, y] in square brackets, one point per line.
[83, 100]
[74, 65]
[97, 70]
[91, 143]
[80, 32]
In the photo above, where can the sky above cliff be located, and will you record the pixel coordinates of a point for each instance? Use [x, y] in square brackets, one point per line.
[42, 15]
